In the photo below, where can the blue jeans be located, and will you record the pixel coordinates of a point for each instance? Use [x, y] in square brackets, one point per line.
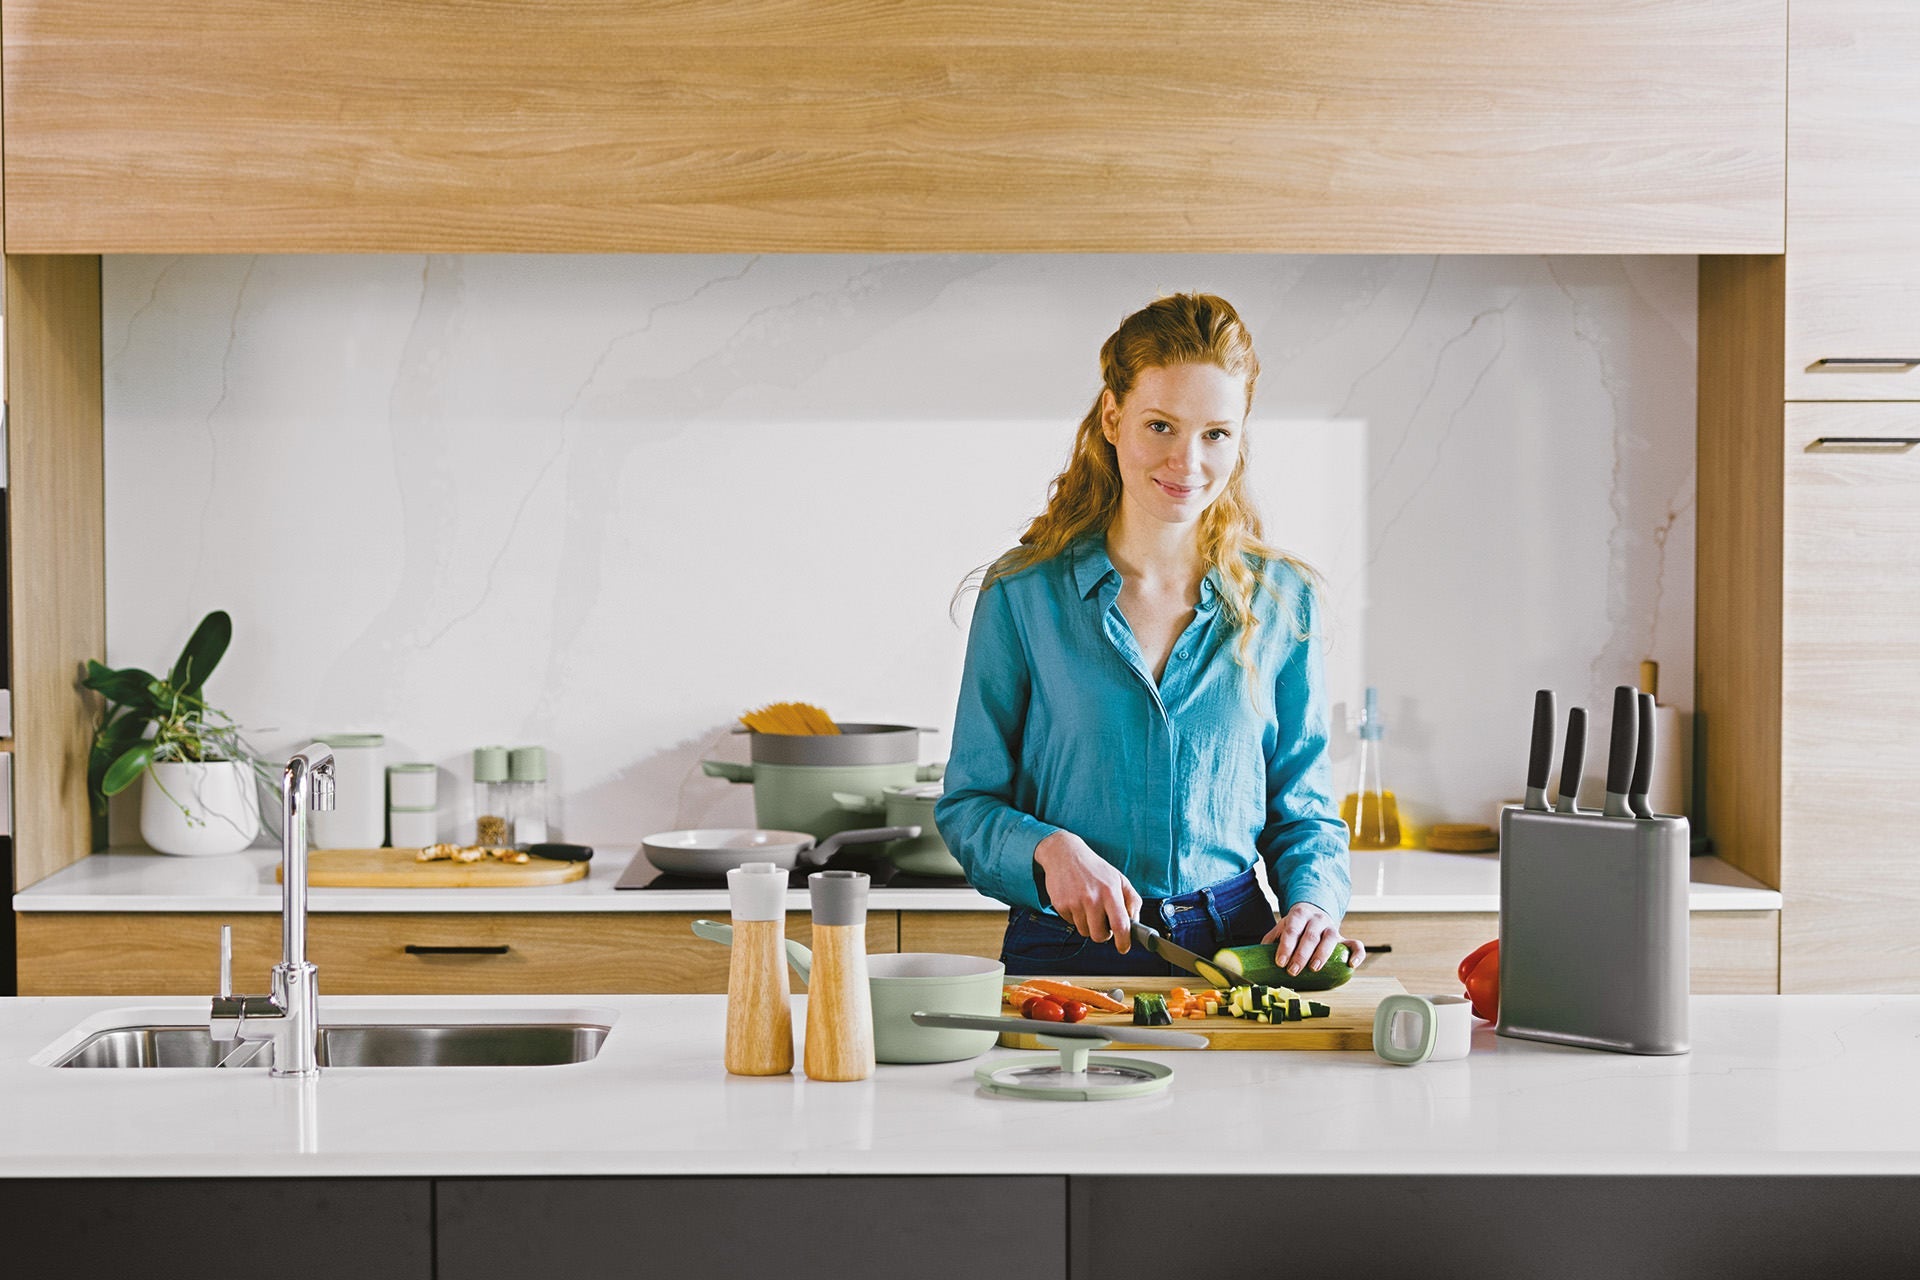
[1232, 913]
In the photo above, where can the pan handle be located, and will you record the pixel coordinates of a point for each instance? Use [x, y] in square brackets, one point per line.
[860, 835]
[797, 955]
[731, 770]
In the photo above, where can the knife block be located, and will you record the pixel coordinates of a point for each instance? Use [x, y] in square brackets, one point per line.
[1593, 930]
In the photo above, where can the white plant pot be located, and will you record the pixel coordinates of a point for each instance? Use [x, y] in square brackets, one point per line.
[222, 808]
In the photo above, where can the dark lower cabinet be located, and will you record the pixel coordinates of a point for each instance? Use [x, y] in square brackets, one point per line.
[935, 1228]
[286, 1228]
[1496, 1228]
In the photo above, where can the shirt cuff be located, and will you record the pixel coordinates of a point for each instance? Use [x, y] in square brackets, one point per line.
[1022, 884]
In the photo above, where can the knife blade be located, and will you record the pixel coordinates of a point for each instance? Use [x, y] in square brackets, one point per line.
[1621, 745]
[1181, 958]
[1574, 761]
[1540, 760]
[1643, 761]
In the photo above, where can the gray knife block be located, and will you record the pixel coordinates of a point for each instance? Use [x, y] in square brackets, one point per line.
[1593, 930]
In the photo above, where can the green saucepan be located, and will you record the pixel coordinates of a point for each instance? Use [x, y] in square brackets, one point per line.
[910, 982]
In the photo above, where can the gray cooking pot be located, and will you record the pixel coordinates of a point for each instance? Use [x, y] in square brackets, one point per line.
[795, 775]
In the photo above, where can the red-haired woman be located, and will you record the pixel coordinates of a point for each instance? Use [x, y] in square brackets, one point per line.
[1142, 716]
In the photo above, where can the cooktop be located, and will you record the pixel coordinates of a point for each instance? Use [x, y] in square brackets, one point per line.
[641, 875]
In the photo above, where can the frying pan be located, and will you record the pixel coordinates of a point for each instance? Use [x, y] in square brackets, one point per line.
[714, 851]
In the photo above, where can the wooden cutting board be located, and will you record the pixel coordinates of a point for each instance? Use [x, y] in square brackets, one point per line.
[1349, 1026]
[401, 869]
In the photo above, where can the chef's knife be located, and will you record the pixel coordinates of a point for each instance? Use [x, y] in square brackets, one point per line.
[1178, 956]
[1540, 761]
[1621, 746]
[1642, 761]
[1574, 761]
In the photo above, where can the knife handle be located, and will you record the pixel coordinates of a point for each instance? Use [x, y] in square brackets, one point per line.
[1622, 743]
[1574, 762]
[1540, 758]
[1642, 761]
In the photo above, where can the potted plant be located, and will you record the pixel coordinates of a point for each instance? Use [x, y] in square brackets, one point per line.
[198, 794]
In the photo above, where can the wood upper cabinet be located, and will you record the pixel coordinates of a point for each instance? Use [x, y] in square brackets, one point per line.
[1850, 745]
[1853, 200]
[848, 125]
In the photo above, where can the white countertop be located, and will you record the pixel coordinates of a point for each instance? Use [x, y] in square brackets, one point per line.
[1774, 1085]
[1401, 880]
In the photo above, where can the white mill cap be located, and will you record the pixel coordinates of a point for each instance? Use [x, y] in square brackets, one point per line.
[757, 891]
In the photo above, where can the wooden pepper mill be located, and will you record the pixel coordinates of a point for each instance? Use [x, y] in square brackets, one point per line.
[839, 1002]
[759, 1012]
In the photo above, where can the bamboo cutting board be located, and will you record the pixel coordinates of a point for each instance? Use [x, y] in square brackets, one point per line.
[401, 869]
[1349, 1026]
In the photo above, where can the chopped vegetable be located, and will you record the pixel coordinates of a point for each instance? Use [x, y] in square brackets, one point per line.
[1150, 1010]
[1085, 995]
[1074, 1010]
[1045, 1009]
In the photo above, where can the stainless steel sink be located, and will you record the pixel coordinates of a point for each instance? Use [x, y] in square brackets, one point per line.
[517, 1044]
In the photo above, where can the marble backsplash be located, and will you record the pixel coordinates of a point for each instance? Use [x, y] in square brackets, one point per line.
[605, 503]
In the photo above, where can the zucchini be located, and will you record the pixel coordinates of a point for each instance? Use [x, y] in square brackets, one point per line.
[1255, 964]
[1150, 1010]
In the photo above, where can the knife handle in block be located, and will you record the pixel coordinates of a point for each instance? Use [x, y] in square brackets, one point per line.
[1574, 762]
[1540, 757]
[1622, 743]
[1642, 761]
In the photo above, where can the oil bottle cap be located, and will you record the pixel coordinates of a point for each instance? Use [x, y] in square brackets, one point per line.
[1370, 726]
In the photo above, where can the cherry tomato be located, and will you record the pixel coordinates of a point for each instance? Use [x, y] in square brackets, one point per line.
[1474, 957]
[1041, 1009]
[1072, 1010]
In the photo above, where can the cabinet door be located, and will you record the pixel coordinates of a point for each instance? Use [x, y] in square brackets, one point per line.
[1853, 200]
[399, 953]
[1850, 701]
[247, 126]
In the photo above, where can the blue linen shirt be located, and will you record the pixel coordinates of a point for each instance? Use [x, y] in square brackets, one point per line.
[1180, 783]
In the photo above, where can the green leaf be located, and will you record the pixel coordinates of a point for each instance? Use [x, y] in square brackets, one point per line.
[129, 686]
[202, 654]
[114, 737]
[122, 772]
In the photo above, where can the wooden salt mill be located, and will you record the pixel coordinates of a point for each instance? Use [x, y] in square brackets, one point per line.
[839, 1002]
[759, 1012]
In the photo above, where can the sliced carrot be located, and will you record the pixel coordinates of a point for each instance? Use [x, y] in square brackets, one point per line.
[1085, 995]
[1179, 995]
[1019, 995]
[1196, 1013]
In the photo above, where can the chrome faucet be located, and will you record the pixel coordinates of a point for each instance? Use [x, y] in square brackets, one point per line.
[290, 1016]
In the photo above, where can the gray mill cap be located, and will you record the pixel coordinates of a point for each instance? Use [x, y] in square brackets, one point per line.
[838, 897]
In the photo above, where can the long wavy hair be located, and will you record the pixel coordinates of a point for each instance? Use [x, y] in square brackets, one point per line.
[1181, 328]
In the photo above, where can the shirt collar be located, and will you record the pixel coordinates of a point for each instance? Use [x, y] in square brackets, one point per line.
[1092, 567]
[1091, 564]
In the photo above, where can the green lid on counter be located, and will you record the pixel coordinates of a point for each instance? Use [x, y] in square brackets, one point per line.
[528, 764]
[489, 764]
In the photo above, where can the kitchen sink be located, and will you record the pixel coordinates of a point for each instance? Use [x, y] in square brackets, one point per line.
[465, 1044]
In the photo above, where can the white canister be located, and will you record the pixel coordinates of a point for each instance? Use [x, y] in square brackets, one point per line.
[413, 785]
[358, 819]
[413, 828]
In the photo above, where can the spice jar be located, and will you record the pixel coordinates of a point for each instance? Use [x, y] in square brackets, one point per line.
[492, 813]
[527, 795]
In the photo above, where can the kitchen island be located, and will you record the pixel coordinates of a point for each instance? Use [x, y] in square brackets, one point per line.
[1790, 1136]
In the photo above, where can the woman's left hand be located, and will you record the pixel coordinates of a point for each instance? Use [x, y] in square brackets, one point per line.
[1305, 938]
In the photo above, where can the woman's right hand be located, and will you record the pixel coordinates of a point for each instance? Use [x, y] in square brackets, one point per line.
[1088, 891]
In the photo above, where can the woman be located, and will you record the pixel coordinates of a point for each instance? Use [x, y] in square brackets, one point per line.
[1142, 716]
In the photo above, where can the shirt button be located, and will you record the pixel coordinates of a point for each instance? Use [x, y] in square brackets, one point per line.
[1183, 653]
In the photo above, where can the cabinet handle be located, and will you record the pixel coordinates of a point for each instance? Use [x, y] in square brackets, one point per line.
[1856, 362]
[415, 949]
[1902, 443]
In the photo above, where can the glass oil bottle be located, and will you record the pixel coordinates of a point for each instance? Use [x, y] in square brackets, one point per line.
[1371, 813]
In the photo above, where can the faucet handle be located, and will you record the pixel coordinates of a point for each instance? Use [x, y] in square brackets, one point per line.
[226, 961]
